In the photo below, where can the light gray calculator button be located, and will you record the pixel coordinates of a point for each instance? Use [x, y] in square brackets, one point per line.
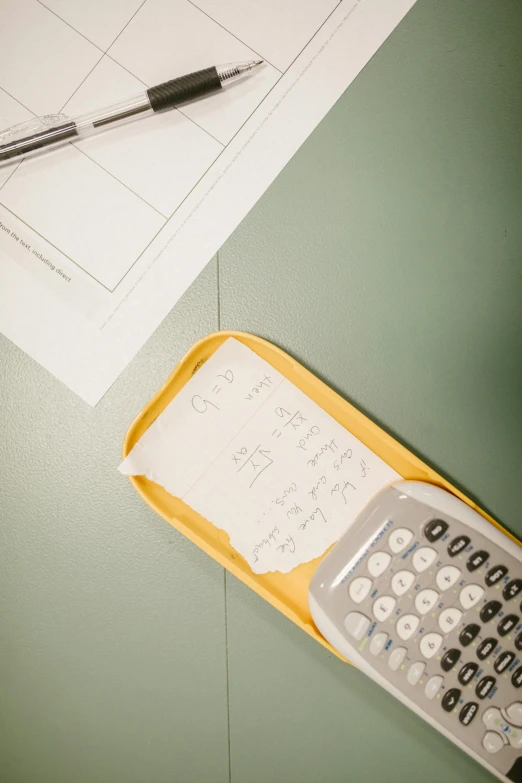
[399, 539]
[470, 595]
[383, 607]
[415, 672]
[378, 563]
[514, 713]
[449, 618]
[423, 558]
[359, 588]
[426, 600]
[356, 624]
[406, 626]
[396, 658]
[492, 742]
[402, 581]
[433, 686]
[378, 642]
[430, 644]
[447, 577]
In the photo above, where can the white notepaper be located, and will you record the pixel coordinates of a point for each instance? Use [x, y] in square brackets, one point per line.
[259, 459]
[99, 239]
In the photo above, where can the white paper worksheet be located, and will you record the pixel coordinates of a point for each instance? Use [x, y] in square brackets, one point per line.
[248, 450]
[100, 238]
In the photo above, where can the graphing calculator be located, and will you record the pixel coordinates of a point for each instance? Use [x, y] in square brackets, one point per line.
[424, 596]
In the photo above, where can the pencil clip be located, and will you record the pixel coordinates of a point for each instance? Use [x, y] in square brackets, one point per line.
[29, 127]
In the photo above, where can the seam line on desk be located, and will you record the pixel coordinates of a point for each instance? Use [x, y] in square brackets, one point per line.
[227, 675]
[218, 294]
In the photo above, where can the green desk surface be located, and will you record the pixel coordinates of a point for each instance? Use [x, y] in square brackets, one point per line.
[388, 258]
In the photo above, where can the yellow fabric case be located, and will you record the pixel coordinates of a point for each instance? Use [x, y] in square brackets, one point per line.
[287, 592]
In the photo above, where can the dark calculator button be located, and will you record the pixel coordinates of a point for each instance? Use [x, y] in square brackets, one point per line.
[435, 529]
[507, 624]
[449, 659]
[468, 712]
[469, 634]
[451, 699]
[486, 647]
[477, 559]
[516, 679]
[512, 589]
[518, 641]
[495, 574]
[504, 661]
[485, 686]
[457, 545]
[491, 609]
[467, 672]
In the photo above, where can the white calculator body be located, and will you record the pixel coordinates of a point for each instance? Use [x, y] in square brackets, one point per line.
[424, 596]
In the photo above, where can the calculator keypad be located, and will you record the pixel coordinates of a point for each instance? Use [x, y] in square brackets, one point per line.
[436, 608]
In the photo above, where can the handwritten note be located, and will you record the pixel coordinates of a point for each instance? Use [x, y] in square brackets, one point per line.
[258, 458]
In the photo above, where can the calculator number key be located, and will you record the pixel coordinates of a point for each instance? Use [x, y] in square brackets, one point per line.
[457, 545]
[495, 574]
[359, 589]
[449, 618]
[378, 563]
[402, 581]
[399, 539]
[447, 577]
[435, 530]
[470, 595]
[430, 644]
[423, 558]
[406, 626]
[426, 600]
[383, 607]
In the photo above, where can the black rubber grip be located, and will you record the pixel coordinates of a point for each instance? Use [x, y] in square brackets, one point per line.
[186, 88]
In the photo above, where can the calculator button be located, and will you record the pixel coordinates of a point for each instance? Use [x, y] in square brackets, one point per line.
[426, 600]
[406, 626]
[402, 581]
[495, 574]
[486, 647]
[485, 687]
[507, 624]
[356, 624]
[516, 679]
[451, 699]
[359, 589]
[378, 643]
[492, 742]
[490, 611]
[430, 644]
[383, 607]
[458, 544]
[512, 589]
[378, 563]
[518, 642]
[477, 559]
[396, 658]
[449, 659]
[447, 577]
[435, 530]
[415, 672]
[504, 661]
[399, 539]
[469, 634]
[433, 686]
[470, 595]
[423, 558]
[467, 672]
[449, 618]
[468, 712]
[514, 713]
